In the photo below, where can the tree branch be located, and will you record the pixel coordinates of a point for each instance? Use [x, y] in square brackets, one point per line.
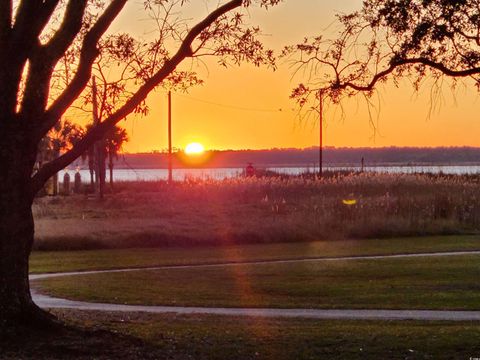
[66, 34]
[8, 98]
[88, 54]
[44, 59]
[403, 62]
[32, 17]
[97, 132]
[5, 23]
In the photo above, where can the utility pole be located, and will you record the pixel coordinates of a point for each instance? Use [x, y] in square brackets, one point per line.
[320, 152]
[99, 146]
[170, 177]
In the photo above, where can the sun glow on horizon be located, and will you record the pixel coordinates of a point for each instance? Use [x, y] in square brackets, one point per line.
[194, 149]
[239, 107]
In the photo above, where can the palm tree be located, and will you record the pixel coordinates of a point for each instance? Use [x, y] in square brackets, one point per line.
[114, 141]
[62, 137]
[89, 156]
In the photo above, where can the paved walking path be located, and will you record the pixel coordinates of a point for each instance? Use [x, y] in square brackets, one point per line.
[46, 301]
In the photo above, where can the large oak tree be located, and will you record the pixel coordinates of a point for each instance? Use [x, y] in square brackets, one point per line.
[391, 39]
[48, 49]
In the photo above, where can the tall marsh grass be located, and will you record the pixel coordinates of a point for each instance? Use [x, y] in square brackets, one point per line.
[266, 209]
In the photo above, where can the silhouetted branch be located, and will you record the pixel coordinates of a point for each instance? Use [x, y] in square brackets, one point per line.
[415, 61]
[390, 39]
[5, 23]
[88, 54]
[97, 132]
[42, 63]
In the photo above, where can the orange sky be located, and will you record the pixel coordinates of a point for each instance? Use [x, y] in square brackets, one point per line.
[213, 114]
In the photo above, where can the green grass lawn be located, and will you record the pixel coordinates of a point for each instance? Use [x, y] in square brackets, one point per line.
[218, 338]
[434, 283]
[405, 283]
[55, 261]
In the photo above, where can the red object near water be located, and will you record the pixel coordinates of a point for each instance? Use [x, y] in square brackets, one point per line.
[250, 170]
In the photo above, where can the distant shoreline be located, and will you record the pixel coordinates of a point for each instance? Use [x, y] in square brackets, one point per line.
[307, 158]
[306, 166]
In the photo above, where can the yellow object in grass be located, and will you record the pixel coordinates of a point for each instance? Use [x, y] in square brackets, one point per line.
[350, 202]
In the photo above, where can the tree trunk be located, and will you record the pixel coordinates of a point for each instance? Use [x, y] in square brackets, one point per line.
[92, 178]
[110, 167]
[100, 168]
[91, 165]
[16, 233]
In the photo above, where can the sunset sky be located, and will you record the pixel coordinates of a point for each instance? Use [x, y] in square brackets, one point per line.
[249, 108]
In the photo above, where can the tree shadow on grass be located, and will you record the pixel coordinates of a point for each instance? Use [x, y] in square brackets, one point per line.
[66, 341]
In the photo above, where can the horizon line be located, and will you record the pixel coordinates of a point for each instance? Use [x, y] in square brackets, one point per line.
[458, 147]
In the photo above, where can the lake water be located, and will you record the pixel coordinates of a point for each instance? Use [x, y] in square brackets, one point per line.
[222, 173]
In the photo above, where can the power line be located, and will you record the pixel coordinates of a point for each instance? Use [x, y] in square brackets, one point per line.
[229, 106]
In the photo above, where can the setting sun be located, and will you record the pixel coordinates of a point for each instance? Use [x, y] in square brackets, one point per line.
[194, 148]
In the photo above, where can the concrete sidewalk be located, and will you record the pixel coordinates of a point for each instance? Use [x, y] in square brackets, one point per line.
[46, 301]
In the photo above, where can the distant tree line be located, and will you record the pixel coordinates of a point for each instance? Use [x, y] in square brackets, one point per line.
[309, 157]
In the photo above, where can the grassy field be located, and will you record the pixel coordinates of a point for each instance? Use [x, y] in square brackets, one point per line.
[152, 224]
[217, 338]
[261, 210]
[408, 283]
[135, 336]
[58, 261]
